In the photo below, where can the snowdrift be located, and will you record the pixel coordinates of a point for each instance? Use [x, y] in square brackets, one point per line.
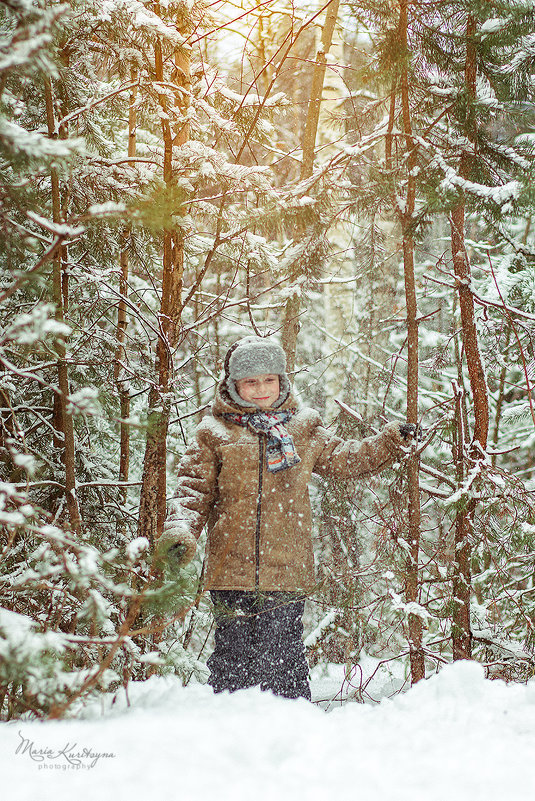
[454, 736]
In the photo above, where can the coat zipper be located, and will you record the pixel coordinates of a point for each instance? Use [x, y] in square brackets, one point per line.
[259, 510]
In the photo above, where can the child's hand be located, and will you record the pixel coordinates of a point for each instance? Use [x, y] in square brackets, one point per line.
[410, 431]
[176, 554]
[175, 548]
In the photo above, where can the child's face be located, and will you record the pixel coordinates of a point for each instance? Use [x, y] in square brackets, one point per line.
[262, 390]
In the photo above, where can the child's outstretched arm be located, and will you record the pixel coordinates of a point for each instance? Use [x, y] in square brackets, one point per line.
[193, 499]
[352, 458]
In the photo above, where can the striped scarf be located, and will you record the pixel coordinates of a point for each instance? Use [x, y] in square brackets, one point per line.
[280, 448]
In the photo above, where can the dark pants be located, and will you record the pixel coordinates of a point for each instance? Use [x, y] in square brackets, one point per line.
[258, 641]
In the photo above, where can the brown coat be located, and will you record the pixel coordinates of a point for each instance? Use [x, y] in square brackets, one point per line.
[259, 523]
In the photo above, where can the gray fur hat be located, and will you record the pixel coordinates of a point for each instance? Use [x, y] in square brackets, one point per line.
[255, 356]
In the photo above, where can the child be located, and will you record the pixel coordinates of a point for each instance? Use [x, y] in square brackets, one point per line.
[246, 476]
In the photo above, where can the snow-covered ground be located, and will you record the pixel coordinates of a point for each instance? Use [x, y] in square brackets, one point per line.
[455, 736]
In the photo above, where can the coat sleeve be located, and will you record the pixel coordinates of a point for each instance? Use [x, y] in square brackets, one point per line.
[344, 459]
[195, 494]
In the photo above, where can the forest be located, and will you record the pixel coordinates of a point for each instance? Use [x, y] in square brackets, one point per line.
[354, 177]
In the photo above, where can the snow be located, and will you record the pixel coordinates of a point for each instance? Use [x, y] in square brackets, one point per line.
[500, 195]
[83, 401]
[455, 735]
[141, 17]
[492, 25]
[28, 328]
[136, 547]
[19, 52]
[110, 207]
[59, 229]
[35, 143]
[26, 461]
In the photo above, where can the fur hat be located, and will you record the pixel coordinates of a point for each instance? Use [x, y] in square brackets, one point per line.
[252, 356]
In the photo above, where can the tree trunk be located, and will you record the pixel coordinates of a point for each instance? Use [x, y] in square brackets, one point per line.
[461, 633]
[412, 586]
[62, 417]
[152, 510]
[122, 320]
[290, 325]
[500, 395]
[316, 91]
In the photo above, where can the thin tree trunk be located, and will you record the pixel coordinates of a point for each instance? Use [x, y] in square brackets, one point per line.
[62, 418]
[412, 585]
[461, 632]
[501, 392]
[462, 581]
[290, 325]
[316, 91]
[122, 320]
[153, 491]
